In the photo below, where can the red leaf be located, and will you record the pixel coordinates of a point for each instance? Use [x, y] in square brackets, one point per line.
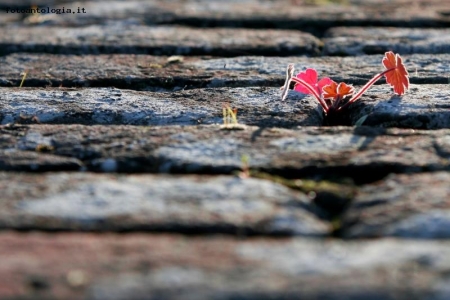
[335, 91]
[398, 78]
[310, 76]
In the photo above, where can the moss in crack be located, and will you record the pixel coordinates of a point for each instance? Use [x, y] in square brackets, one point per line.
[333, 198]
[336, 226]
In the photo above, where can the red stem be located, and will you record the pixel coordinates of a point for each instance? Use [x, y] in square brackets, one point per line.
[365, 88]
[336, 102]
[313, 91]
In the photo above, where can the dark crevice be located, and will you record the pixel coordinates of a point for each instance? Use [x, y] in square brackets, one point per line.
[356, 174]
[167, 50]
[155, 84]
[360, 175]
[171, 83]
[189, 230]
[315, 27]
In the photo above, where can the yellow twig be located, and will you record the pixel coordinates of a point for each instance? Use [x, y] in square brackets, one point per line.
[24, 75]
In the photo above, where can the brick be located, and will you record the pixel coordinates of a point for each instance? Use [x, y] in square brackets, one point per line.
[136, 266]
[160, 40]
[377, 40]
[363, 153]
[162, 73]
[286, 14]
[155, 203]
[406, 206]
[256, 106]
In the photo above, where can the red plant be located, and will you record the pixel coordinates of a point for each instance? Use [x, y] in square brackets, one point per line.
[398, 79]
[310, 76]
[334, 97]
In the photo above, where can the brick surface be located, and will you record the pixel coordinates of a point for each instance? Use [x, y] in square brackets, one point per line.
[423, 107]
[256, 106]
[183, 204]
[411, 206]
[313, 16]
[377, 40]
[162, 73]
[120, 182]
[161, 40]
[143, 266]
[362, 153]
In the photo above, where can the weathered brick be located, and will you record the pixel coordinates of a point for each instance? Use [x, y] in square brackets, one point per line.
[313, 16]
[162, 73]
[408, 206]
[362, 153]
[143, 266]
[180, 204]
[256, 106]
[160, 40]
[377, 40]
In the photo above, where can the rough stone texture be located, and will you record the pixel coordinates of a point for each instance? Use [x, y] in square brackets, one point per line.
[362, 153]
[142, 72]
[423, 68]
[118, 70]
[36, 162]
[183, 204]
[293, 14]
[256, 106]
[422, 107]
[377, 40]
[161, 73]
[205, 235]
[409, 206]
[162, 40]
[145, 266]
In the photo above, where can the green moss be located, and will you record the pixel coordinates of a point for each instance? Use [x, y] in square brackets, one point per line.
[307, 186]
[330, 196]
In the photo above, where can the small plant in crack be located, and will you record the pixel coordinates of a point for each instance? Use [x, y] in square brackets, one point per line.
[335, 97]
[229, 114]
[230, 121]
[24, 75]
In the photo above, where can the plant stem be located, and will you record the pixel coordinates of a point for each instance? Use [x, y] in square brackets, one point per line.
[23, 78]
[287, 82]
[336, 102]
[313, 91]
[365, 88]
